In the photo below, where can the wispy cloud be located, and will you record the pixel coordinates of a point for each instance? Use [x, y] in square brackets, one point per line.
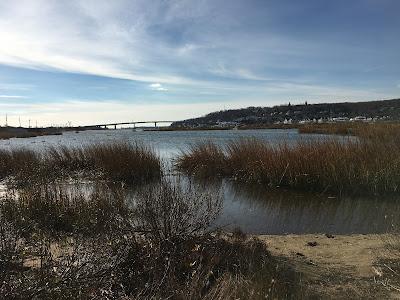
[15, 86]
[170, 42]
[199, 51]
[237, 73]
[12, 96]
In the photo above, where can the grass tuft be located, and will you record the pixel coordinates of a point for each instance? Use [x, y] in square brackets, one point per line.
[128, 163]
[369, 164]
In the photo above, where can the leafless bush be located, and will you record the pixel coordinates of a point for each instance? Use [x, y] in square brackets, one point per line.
[170, 212]
[78, 268]
[171, 256]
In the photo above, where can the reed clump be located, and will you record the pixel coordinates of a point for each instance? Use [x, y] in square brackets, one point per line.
[21, 164]
[349, 128]
[344, 128]
[369, 164]
[58, 209]
[203, 159]
[129, 163]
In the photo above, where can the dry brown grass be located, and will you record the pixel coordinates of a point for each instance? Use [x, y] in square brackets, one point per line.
[203, 159]
[348, 128]
[368, 165]
[129, 163]
[56, 209]
[5, 135]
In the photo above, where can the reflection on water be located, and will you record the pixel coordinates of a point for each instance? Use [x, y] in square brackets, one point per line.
[258, 210]
[251, 207]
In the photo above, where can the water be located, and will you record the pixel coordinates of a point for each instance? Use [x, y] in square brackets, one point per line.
[167, 143]
[252, 208]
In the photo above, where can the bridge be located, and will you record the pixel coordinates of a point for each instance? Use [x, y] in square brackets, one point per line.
[134, 123]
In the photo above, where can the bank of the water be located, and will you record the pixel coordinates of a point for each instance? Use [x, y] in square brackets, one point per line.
[342, 266]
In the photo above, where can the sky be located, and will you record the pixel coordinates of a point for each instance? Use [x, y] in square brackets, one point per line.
[96, 61]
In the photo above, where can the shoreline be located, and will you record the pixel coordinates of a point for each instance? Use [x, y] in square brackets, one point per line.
[339, 266]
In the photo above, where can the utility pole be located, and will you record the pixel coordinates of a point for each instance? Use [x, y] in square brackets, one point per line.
[6, 120]
[36, 124]
[29, 123]
[19, 120]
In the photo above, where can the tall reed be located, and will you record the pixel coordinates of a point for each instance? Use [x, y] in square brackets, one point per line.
[54, 208]
[129, 163]
[370, 164]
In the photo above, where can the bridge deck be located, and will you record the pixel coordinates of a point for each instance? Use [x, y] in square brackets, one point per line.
[130, 123]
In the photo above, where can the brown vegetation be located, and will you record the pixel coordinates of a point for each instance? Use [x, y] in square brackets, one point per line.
[348, 128]
[129, 163]
[329, 128]
[6, 134]
[67, 209]
[166, 251]
[370, 164]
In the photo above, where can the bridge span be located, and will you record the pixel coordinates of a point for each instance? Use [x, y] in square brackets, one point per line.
[134, 123]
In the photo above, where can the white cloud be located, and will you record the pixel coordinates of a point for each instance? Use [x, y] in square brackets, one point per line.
[157, 87]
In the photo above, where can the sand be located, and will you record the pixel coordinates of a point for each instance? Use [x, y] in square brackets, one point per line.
[343, 266]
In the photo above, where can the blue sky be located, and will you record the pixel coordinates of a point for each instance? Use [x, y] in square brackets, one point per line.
[101, 61]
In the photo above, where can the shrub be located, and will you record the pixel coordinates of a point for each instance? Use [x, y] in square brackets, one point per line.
[171, 212]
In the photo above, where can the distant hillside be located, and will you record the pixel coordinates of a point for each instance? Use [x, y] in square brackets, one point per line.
[323, 112]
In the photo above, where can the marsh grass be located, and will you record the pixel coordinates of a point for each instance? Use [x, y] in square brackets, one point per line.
[19, 163]
[203, 159]
[387, 268]
[56, 209]
[5, 135]
[10, 248]
[129, 163]
[345, 128]
[367, 165]
[350, 128]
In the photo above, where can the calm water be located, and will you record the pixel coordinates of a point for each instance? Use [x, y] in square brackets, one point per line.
[252, 208]
[168, 143]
